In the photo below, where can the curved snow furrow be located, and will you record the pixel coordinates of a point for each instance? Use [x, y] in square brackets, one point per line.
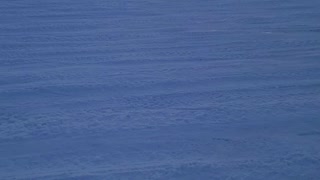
[173, 152]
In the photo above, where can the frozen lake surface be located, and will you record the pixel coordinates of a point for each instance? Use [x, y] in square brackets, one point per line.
[159, 89]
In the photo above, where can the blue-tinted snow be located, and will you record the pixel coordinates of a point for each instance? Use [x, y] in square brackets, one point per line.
[159, 89]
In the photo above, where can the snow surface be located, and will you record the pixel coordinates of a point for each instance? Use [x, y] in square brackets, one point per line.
[159, 89]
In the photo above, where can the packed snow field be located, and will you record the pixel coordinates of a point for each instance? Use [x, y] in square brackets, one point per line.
[159, 89]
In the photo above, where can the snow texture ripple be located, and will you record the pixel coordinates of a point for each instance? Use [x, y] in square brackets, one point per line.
[159, 89]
